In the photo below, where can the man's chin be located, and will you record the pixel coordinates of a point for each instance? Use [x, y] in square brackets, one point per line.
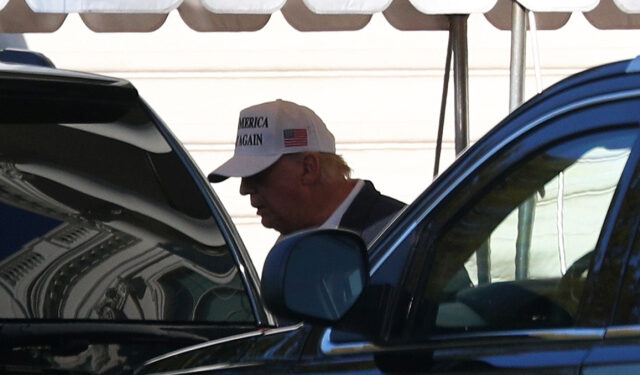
[268, 223]
[283, 230]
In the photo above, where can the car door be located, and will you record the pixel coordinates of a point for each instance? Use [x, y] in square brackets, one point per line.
[114, 249]
[619, 352]
[511, 264]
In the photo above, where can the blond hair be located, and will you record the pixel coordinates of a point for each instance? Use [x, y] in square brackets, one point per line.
[333, 167]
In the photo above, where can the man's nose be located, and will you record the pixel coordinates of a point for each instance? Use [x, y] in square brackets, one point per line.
[246, 186]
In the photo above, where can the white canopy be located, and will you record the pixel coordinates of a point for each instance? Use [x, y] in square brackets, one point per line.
[17, 16]
[559, 6]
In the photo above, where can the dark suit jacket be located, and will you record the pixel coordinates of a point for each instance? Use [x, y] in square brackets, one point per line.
[370, 212]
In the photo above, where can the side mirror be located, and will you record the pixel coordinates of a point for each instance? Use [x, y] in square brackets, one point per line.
[315, 276]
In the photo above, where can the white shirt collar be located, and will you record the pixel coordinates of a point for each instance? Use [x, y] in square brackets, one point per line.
[334, 220]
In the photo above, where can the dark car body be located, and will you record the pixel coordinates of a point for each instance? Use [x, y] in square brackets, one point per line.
[521, 258]
[114, 248]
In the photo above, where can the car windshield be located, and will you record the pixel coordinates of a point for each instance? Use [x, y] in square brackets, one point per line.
[103, 221]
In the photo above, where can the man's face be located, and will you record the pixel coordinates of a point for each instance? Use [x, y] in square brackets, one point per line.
[276, 193]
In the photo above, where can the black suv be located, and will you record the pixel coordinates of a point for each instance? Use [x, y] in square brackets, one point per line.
[521, 258]
[114, 247]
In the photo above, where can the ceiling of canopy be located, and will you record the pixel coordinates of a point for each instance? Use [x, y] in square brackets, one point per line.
[23, 16]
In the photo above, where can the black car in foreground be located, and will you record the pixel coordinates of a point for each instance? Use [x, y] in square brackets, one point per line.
[113, 247]
[521, 258]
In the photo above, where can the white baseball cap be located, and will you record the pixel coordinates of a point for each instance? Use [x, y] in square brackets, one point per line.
[269, 130]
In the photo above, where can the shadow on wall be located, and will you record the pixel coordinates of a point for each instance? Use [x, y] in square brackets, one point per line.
[13, 41]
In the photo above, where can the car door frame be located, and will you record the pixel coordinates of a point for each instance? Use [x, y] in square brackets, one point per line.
[537, 133]
[237, 248]
[617, 353]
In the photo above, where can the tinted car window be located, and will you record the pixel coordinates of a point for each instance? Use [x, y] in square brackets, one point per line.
[102, 221]
[536, 228]
[628, 305]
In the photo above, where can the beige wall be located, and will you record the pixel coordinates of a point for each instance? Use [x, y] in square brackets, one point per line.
[377, 89]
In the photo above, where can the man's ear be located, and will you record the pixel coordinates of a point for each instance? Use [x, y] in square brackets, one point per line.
[311, 168]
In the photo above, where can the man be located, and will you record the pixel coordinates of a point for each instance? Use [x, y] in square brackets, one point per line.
[287, 160]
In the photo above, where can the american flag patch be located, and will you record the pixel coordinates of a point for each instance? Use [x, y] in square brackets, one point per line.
[295, 137]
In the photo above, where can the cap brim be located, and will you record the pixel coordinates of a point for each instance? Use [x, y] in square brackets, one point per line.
[212, 177]
[242, 166]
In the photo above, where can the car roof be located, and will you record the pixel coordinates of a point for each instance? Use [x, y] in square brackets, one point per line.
[8, 70]
[599, 80]
[61, 95]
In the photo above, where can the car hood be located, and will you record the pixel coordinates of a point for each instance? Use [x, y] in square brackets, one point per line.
[249, 349]
[96, 347]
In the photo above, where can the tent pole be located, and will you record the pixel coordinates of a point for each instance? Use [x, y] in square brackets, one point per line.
[461, 80]
[458, 26]
[443, 105]
[526, 211]
[518, 55]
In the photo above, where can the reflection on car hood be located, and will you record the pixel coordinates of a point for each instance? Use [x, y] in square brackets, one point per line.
[94, 347]
[197, 229]
[247, 349]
